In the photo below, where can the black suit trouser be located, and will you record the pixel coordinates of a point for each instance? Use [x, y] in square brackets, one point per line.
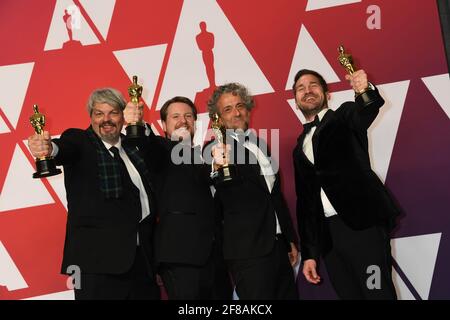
[135, 284]
[189, 282]
[359, 263]
[269, 277]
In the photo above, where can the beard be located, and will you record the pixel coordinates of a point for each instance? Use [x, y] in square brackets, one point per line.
[110, 137]
[182, 133]
[314, 108]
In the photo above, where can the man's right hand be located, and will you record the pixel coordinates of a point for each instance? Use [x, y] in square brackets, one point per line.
[221, 154]
[133, 113]
[310, 271]
[40, 145]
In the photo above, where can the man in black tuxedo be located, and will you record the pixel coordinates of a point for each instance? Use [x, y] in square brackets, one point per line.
[259, 239]
[344, 212]
[110, 204]
[187, 240]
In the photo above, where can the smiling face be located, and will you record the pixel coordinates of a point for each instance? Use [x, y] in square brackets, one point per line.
[233, 112]
[310, 97]
[180, 121]
[107, 122]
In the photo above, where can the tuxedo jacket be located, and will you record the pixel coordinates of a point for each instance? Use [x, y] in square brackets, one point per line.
[187, 223]
[342, 169]
[248, 208]
[101, 234]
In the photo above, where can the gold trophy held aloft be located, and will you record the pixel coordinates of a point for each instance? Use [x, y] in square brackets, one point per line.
[368, 95]
[226, 173]
[45, 166]
[135, 129]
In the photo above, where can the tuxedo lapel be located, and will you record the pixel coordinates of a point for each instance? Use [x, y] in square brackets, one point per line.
[299, 150]
[139, 163]
[252, 163]
[260, 180]
[323, 124]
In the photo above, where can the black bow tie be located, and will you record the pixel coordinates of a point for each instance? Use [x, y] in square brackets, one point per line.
[242, 137]
[308, 126]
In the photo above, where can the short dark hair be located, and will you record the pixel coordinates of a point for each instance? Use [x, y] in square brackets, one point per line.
[166, 105]
[303, 72]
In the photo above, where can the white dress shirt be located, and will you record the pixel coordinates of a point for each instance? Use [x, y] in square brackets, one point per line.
[266, 168]
[134, 175]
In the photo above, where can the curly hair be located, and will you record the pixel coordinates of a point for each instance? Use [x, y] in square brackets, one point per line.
[234, 88]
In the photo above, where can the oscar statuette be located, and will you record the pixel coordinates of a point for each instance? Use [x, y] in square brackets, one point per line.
[368, 95]
[135, 130]
[226, 173]
[45, 166]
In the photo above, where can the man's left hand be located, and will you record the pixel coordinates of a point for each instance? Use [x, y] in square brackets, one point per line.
[293, 255]
[358, 81]
[133, 113]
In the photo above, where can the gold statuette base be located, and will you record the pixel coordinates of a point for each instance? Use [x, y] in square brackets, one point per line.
[226, 174]
[367, 97]
[135, 130]
[46, 167]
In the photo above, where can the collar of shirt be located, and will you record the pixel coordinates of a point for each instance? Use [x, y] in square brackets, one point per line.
[234, 135]
[321, 114]
[311, 126]
[118, 145]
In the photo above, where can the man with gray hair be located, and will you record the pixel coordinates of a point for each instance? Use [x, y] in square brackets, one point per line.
[259, 242]
[110, 204]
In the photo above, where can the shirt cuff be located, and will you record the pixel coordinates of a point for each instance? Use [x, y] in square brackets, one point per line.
[147, 129]
[55, 150]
